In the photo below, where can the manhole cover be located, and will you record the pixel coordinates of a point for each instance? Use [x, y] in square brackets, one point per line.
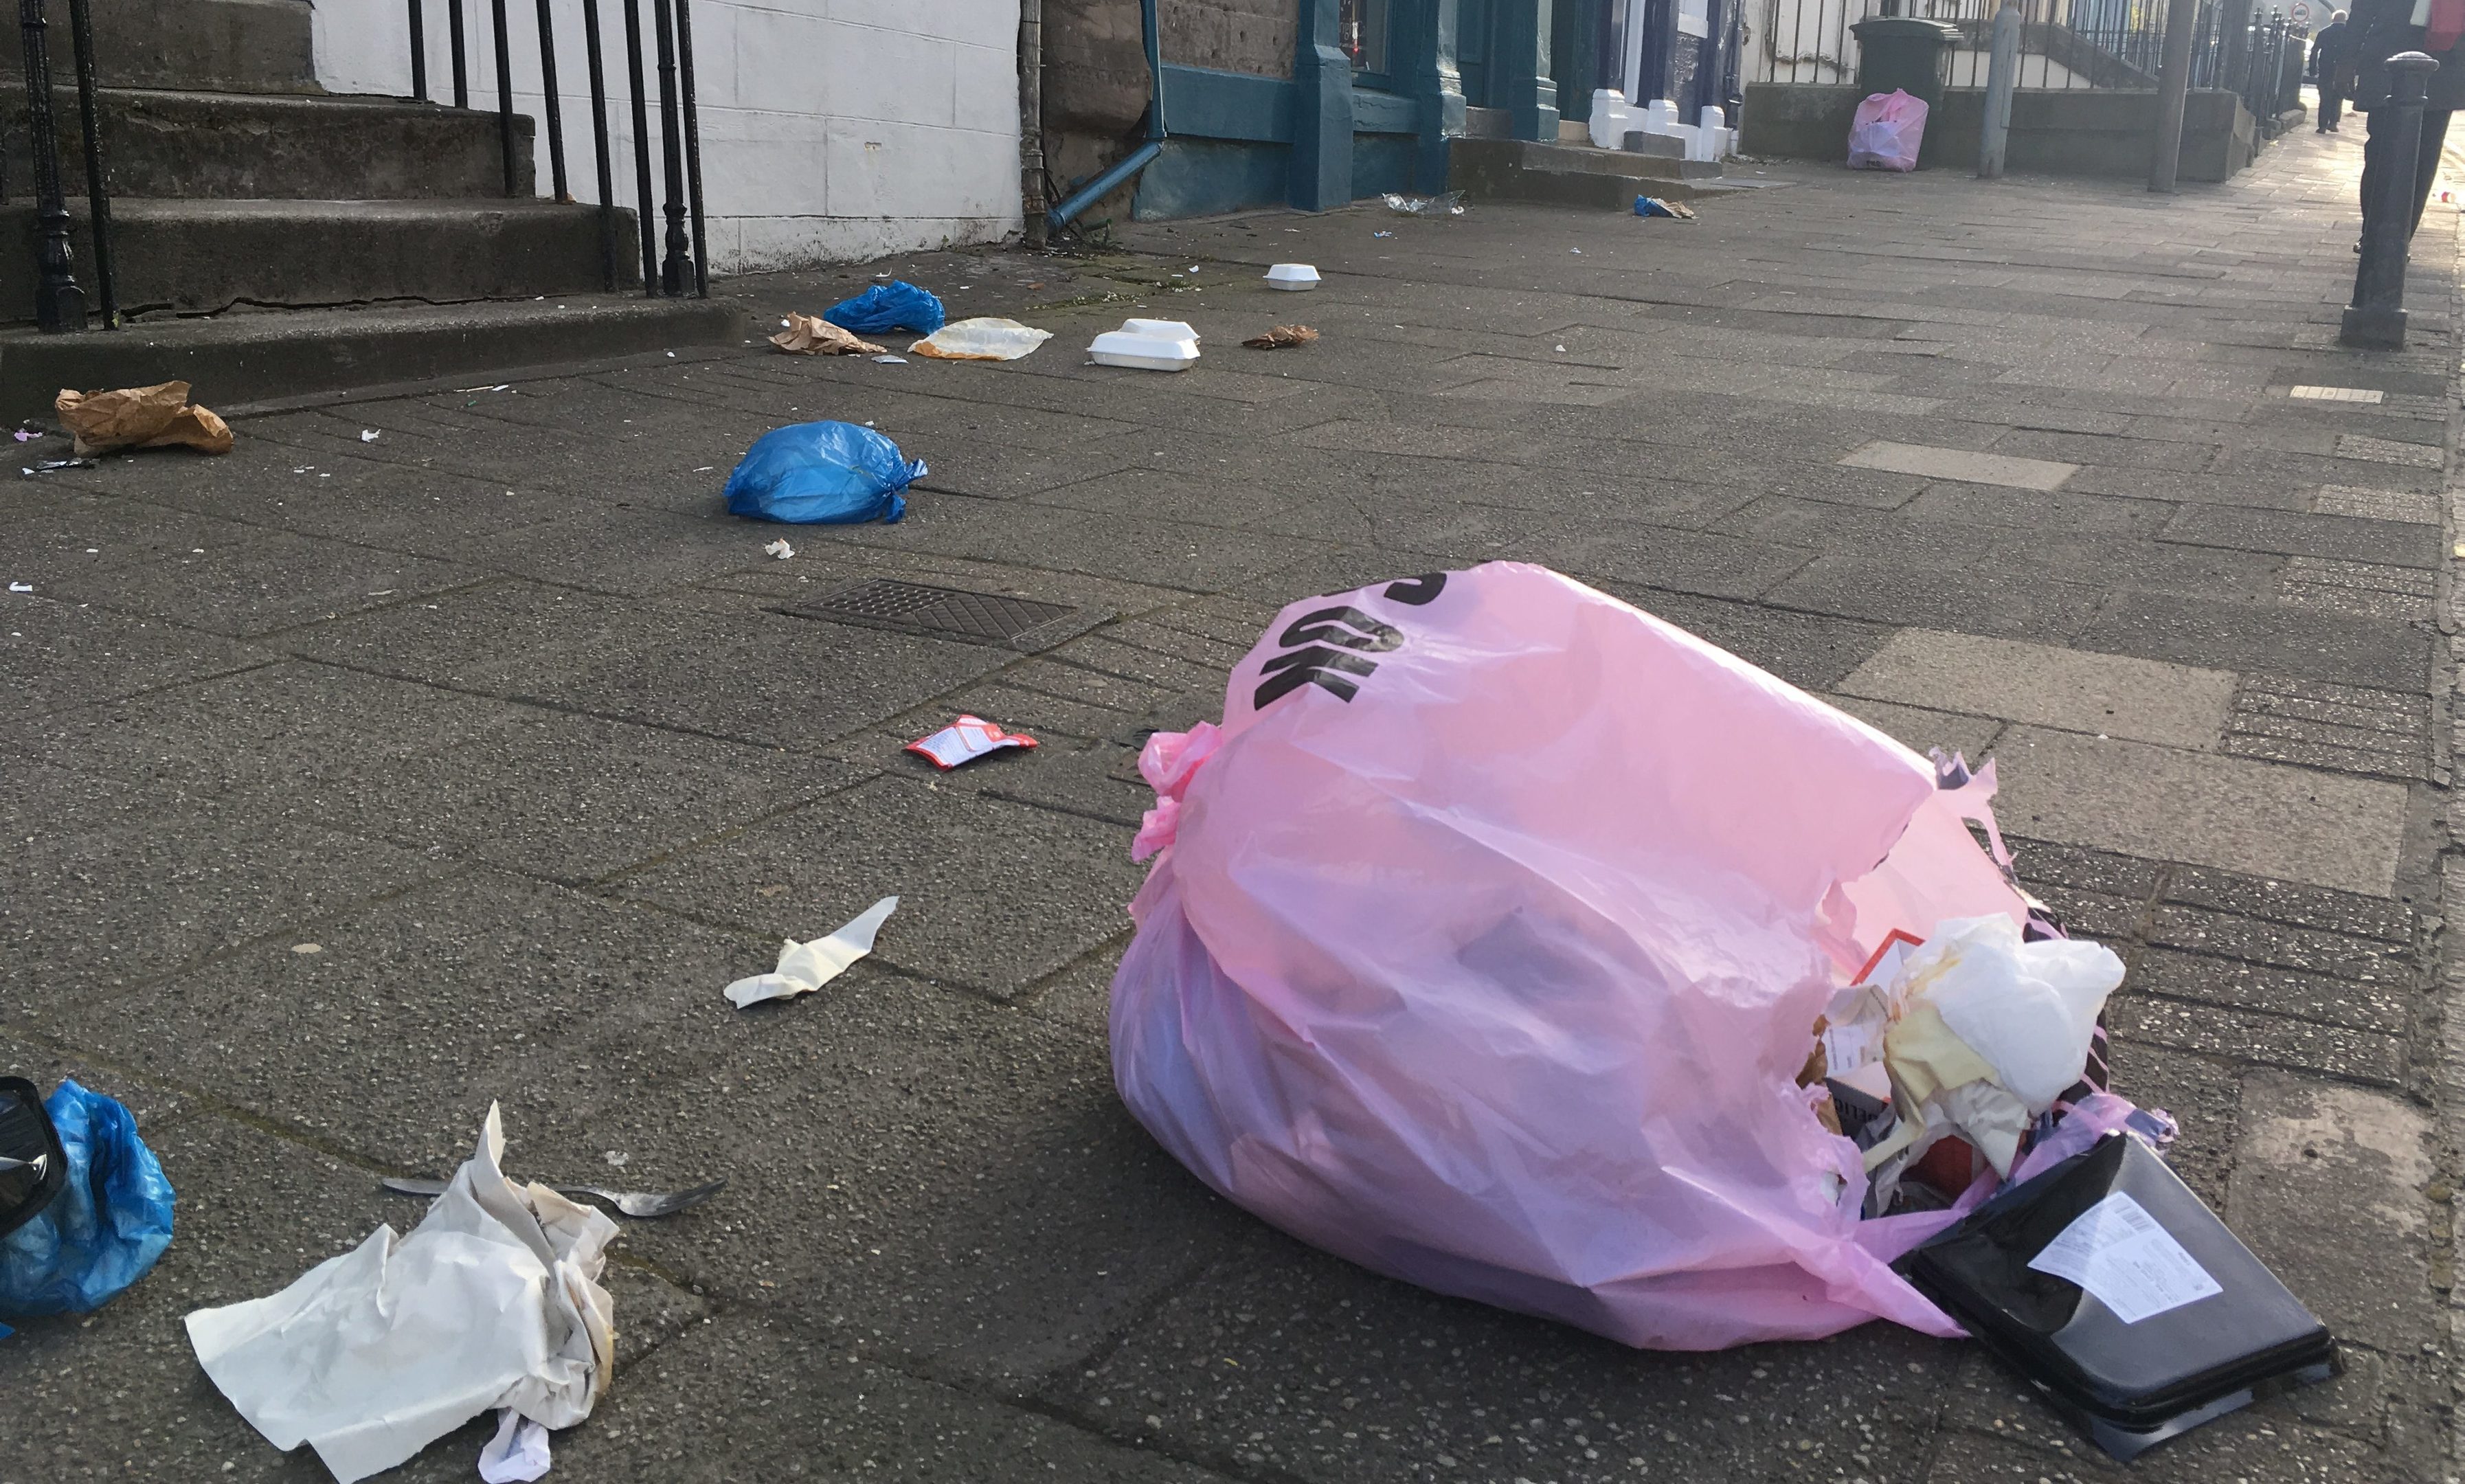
[979, 617]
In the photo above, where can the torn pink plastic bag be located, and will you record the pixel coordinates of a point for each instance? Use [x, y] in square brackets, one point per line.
[1487, 939]
[1887, 132]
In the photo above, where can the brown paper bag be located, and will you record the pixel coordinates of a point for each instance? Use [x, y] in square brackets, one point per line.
[811, 335]
[145, 418]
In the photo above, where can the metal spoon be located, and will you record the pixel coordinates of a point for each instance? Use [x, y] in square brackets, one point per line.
[643, 1205]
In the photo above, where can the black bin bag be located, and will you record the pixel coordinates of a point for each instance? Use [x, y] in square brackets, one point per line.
[2122, 1298]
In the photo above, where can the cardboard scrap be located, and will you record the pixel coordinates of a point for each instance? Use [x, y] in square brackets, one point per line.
[144, 417]
[811, 335]
[1281, 336]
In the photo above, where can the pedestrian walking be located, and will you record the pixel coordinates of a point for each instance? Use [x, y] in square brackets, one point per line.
[2332, 70]
[2380, 29]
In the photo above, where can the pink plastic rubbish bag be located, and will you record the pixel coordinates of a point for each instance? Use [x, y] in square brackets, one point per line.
[1486, 941]
[1887, 131]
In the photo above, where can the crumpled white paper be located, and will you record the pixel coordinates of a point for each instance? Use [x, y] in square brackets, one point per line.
[517, 1454]
[805, 967]
[492, 1301]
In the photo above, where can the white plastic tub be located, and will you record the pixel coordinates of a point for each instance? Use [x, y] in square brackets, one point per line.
[1295, 278]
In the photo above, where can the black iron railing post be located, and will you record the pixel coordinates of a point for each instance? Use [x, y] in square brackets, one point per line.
[599, 142]
[98, 181]
[674, 268]
[461, 69]
[642, 205]
[504, 93]
[59, 304]
[419, 50]
[555, 108]
[692, 147]
[2375, 320]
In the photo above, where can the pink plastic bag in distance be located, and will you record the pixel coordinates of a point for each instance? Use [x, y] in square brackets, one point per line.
[1887, 132]
[1486, 950]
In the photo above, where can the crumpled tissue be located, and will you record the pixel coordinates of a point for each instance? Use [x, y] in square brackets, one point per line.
[805, 967]
[492, 1301]
[517, 1454]
[1991, 1031]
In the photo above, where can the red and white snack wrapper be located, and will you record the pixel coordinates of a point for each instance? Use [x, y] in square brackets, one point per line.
[964, 741]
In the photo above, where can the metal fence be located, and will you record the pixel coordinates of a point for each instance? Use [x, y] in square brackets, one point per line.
[2064, 44]
[683, 268]
[686, 266]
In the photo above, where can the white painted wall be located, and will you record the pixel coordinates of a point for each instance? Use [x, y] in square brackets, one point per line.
[831, 130]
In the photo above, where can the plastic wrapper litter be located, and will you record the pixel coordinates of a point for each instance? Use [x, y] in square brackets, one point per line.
[1485, 945]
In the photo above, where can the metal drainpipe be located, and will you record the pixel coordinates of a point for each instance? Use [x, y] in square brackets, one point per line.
[1030, 119]
[1088, 194]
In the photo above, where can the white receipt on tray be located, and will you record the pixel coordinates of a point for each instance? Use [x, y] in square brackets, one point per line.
[2119, 1252]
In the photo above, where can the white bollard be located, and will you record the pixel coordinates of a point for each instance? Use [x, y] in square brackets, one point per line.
[1713, 126]
[1612, 118]
[1660, 117]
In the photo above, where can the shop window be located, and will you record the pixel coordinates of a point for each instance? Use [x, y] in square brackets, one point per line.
[1362, 28]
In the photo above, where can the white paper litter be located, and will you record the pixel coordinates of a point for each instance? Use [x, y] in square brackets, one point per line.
[492, 1301]
[2120, 1252]
[21, 587]
[781, 549]
[805, 967]
[368, 436]
[517, 1454]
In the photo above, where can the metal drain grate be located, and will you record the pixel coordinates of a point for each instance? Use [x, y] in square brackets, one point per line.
[979, 617]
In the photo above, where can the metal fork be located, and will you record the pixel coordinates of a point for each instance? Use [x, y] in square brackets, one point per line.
[642, 1205]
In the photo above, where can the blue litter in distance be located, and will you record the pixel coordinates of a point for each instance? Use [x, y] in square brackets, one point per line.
[888, 306]
[107, 1226]
[1653, 206]
[822, 473]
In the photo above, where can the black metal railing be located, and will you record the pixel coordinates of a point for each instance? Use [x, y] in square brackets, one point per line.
[685, 265]
[2064, 44]
[59, 299]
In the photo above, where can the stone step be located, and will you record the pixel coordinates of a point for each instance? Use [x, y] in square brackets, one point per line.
[225, 46]
[263, 147]
[242, 358]
[205, 257]
[1561, 175]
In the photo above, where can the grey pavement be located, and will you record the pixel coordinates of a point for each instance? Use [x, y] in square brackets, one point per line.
[352, 785]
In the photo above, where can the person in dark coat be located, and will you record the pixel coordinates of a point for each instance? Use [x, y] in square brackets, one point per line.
[2380, 29]
[2331, 72]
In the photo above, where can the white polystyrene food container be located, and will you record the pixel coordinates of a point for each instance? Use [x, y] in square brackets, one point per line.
[1294, 277]
[1147, 346]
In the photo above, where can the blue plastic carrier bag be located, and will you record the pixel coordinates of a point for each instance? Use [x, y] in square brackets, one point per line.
[834, 473]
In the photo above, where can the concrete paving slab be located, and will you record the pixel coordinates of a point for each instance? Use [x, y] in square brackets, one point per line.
[1971, 468]
[2108, 695]
[1921, 729]
[2258, 818]
[471, 990]
[2328, 1191]
[1941, 594]
[1401, 1379]
[91, 913]
[949, 1183]
[56, 653]
[569, 798]
[2371, 504]
[830, 1412]
[285, 723]
[268, 580]
[750, 675]
[2353, 539]
[2272, 640]
[1061, 886]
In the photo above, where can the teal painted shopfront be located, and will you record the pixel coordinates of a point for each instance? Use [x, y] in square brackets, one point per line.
[1378, 90]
